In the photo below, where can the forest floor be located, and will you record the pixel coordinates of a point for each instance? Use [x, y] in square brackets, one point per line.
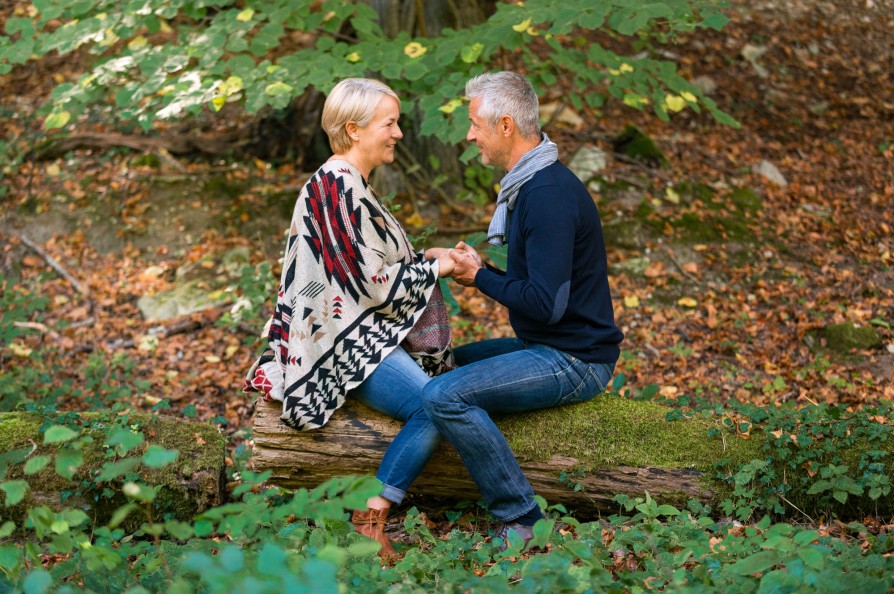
[737, 312]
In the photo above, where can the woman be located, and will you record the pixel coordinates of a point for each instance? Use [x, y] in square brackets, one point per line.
[351, 310]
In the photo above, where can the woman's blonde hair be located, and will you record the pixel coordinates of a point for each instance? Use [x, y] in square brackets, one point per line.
[352, 100]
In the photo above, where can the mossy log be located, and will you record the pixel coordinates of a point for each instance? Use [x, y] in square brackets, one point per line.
[580, 456]
[194, 482]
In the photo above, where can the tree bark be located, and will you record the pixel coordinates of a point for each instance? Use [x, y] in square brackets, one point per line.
[356, 437]
[580, 456]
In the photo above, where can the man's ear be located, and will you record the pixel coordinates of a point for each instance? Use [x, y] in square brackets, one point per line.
[506, 126]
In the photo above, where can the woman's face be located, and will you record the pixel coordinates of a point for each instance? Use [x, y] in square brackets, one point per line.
[376, 142]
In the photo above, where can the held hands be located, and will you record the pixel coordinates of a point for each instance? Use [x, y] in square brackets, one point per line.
[466, 264]
[461, 262]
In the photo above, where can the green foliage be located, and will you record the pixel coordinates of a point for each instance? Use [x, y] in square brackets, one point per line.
[815, 457]
[163, 59]
[252, 290]
[267, 540]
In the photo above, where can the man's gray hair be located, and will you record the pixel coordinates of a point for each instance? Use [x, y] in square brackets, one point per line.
[506, 93]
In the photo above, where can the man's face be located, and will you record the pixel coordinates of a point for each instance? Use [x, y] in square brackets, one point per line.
[493, 145]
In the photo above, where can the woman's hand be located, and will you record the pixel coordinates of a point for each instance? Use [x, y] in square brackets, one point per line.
[446, 264]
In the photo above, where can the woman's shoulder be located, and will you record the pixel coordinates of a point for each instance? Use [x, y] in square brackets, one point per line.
[339, 168]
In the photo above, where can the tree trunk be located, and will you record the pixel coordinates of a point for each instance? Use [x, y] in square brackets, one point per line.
[580, 456]
[356, 437]
[191, 484]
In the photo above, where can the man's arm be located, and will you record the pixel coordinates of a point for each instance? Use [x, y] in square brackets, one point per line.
[548, 231]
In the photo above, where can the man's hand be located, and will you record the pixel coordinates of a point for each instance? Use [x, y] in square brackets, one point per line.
[467, 265]
[464, 247]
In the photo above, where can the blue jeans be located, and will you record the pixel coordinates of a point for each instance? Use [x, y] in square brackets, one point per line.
[395, 389]
[504, 375]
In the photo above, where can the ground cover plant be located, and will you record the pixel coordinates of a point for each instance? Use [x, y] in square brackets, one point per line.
[732, 291]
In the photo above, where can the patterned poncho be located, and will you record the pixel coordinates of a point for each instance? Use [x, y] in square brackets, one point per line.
[351, 291]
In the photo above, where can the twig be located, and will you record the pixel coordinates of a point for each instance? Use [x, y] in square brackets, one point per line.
[637, 163]
[676, 262]
[58, 268]
[712, 165]
[169, 159]
[652, 350]
[42, 328]
[797, 508]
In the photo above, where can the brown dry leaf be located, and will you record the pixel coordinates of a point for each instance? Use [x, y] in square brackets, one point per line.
[32, 261]
[654, 270]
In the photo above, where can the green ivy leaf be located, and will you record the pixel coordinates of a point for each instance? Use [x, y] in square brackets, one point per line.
[121, 514]
[37, 582]
[143, 493]
[15, 491]
[157, 456]
[470, 53]
[10, 557]
[124, 439]
[68, 460]
[755, 563]
[812, 557]
[59, 433]
[36, 464]
[112, 470]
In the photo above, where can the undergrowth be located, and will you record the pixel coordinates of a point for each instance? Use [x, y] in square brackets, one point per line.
[762, 537]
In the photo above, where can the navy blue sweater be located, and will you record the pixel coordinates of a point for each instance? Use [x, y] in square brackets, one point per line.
[556, 280]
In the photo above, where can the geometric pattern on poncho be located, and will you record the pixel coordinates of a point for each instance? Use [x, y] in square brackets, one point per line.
[351, 291]
[309, 402]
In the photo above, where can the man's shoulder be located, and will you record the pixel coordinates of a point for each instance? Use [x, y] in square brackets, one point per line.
[555, 179]
[555, 174]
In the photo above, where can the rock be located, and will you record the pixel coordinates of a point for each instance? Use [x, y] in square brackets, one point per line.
[587, 163]
[753, 53]
[183, 300]
[769, 171]
[567, 116]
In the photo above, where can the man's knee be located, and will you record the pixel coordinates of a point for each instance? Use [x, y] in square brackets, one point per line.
[435, 398]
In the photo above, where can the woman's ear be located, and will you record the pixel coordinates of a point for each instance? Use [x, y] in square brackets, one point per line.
[351, 128]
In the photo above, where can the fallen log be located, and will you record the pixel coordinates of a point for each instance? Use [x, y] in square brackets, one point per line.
[580, 456]
[194, 482]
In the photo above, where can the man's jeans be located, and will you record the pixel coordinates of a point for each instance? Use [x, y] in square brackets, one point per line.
[395, 388]
[504, 375]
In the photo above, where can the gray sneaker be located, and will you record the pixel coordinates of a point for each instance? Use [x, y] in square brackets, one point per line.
[502, 532]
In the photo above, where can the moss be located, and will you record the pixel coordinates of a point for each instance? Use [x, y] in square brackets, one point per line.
[746, 200]
[691, 191]
[189, 485]
[611, 431]
[634, 143]
[224, 186]
[842, 338]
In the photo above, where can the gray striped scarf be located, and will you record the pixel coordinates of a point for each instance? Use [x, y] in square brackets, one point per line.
[542, 155]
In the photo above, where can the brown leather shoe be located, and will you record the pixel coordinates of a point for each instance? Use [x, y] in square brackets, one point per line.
[371, 523]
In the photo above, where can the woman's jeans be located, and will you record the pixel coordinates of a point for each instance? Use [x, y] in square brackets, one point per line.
[504, 375]
[395, 389]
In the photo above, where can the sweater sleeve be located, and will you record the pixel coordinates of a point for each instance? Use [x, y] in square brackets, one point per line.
[546, 230]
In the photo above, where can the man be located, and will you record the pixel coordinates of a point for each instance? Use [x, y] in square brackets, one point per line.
[556, 290]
